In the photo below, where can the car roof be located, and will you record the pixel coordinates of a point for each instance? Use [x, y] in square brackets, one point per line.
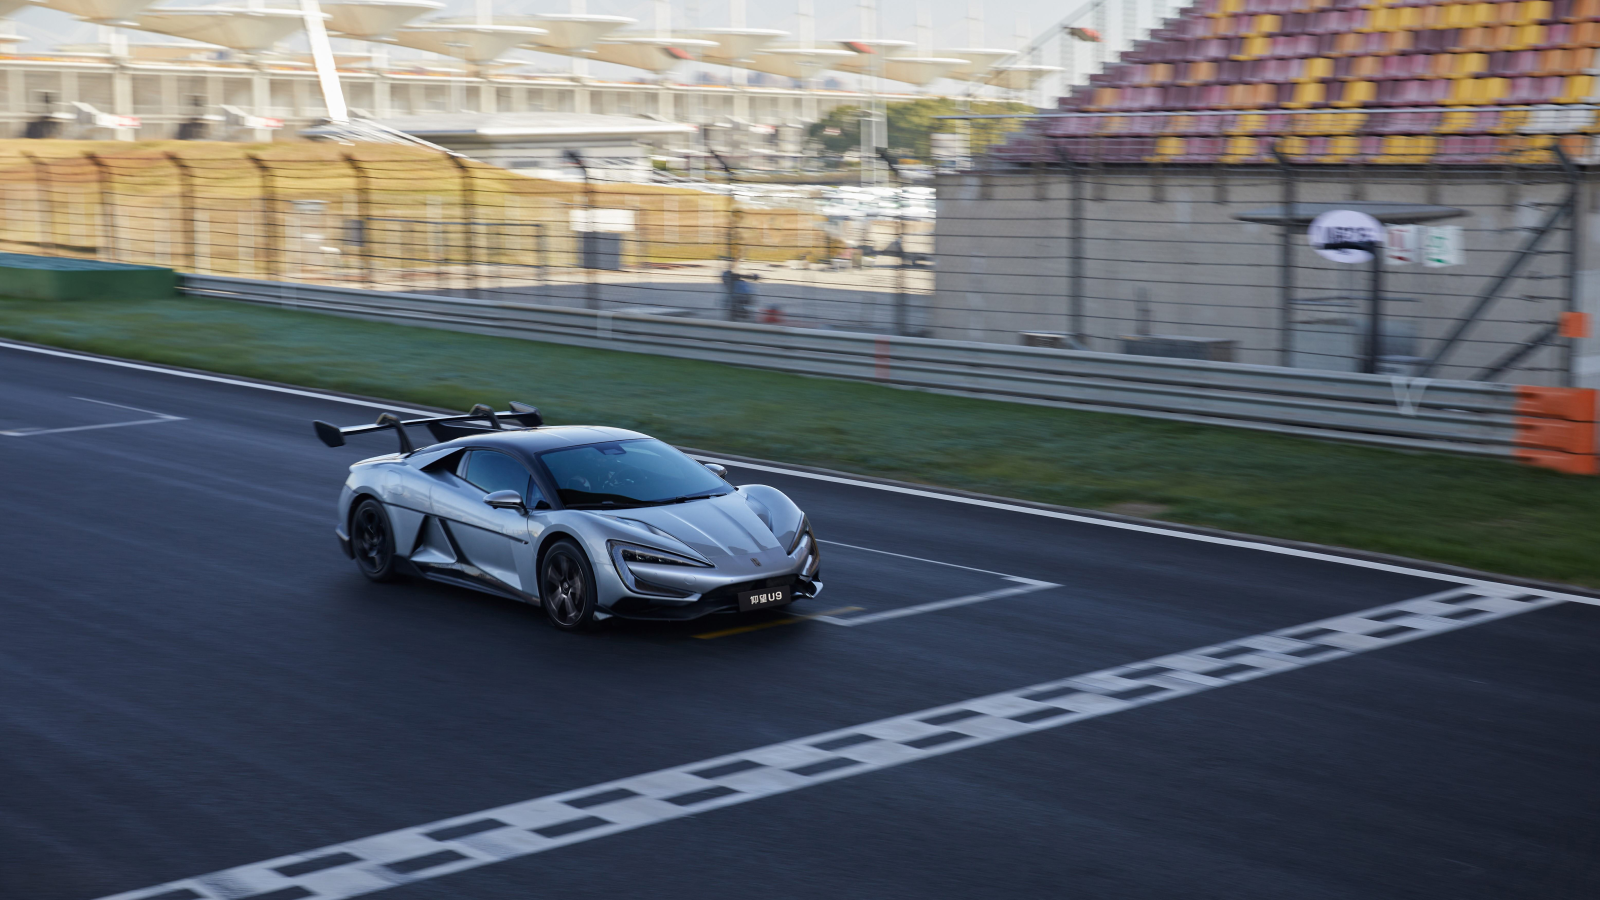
[529, 441]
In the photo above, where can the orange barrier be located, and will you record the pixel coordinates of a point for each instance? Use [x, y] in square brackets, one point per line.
[1556, 429]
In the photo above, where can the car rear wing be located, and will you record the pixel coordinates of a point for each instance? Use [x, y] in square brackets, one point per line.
[481, 419]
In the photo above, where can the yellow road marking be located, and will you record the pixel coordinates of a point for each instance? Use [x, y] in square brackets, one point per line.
[787, 620]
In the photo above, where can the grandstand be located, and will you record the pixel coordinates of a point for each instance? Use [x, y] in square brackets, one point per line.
[1337, 81]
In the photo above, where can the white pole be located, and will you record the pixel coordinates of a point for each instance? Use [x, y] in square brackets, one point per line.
[736, 13]
[322, 56]
[808, 25]
[485, 12]
[663, 18]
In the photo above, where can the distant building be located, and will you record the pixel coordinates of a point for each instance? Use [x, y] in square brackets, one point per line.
[536, 143]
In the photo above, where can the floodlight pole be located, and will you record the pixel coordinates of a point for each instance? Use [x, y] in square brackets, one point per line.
[586, 243]
[902, 323]
[1369, 362]
[730, 278]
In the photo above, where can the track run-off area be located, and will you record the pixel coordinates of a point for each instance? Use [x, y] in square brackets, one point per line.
[204, 700]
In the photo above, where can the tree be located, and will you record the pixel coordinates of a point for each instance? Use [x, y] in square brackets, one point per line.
[912, 121]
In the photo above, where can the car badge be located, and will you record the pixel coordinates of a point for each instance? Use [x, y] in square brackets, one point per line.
[754, 561]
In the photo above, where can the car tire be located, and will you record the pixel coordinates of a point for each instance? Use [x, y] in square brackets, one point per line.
[567, 588]
[372, 541]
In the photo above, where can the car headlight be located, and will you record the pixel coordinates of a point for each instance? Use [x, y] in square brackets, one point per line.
[634, 553]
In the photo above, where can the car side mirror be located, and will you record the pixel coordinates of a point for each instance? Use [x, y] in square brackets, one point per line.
[719, 471]
[506, 500]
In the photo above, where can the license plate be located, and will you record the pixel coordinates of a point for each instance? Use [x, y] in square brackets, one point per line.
[765, 598]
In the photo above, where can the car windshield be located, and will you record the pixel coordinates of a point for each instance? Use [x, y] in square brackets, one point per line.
[632, 473]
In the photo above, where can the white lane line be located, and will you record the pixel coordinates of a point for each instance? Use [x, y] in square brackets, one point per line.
[218, 379]
[936, 562]
[1146, 529]
[891, 488]
[1027, 586]
[409, 855]
[159, 417]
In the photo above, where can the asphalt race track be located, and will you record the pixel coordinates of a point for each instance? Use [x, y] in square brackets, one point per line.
[194, 679]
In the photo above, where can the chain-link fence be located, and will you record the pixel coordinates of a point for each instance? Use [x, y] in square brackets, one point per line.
[398, 219]
[1204, 261]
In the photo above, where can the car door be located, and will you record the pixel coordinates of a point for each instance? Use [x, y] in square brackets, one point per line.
[495, 541]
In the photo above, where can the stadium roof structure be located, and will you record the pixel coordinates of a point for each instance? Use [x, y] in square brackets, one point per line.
[1339, 81]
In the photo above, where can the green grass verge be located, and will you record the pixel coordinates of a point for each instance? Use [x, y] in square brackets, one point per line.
[1485, 514]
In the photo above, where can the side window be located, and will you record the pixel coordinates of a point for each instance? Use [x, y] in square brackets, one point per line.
[489, 471]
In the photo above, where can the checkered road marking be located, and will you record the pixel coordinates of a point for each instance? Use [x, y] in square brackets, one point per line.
[546, 823]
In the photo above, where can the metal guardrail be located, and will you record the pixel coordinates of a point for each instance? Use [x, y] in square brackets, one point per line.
[1545, 426]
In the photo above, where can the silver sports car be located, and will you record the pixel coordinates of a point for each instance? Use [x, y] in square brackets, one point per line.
[589, 522]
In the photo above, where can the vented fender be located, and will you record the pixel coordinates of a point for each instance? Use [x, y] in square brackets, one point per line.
[780, 514]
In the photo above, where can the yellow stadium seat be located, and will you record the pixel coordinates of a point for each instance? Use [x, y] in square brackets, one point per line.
[1241, 149]
[1306, 94]
[1316, 69]
[1342, 148]
[1168, 147]
[1356, 93]
[1511, 121]
[1293, 145]
[1254, 48]
[1470, 65]
[1248, 124]
[1104, 98]
[1576, 89]
[1365, 67]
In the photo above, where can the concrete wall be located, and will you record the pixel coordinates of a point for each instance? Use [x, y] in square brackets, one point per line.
[1164, 253]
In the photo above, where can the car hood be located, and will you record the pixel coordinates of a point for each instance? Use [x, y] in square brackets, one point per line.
[718, 528]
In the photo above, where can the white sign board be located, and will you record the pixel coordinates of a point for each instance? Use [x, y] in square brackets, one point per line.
[1442, 245]
[615, 220]
[1402, 245]
[948, 145]
[1344, 226]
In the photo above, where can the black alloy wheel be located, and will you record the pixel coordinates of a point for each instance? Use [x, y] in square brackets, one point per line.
[567, 589]
[372, 541]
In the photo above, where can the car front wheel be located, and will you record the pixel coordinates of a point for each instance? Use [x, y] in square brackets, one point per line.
[372, 541]
[566, 587]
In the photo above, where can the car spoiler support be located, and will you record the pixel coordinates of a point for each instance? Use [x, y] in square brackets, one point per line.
[443, 428]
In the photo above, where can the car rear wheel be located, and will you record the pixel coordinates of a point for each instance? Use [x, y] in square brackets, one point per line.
[566, 587]
[372, 541]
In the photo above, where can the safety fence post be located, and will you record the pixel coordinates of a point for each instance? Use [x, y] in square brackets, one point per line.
[468, 224]
[360, 234]
[588, 246]
[107, 249]
[1286, 257]
[44, 206]
[185, 209]
[270, 231]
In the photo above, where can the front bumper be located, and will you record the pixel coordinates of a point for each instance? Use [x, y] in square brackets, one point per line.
[724, 599]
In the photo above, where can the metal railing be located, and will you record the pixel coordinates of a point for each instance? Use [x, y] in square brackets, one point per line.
[1549, 426]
